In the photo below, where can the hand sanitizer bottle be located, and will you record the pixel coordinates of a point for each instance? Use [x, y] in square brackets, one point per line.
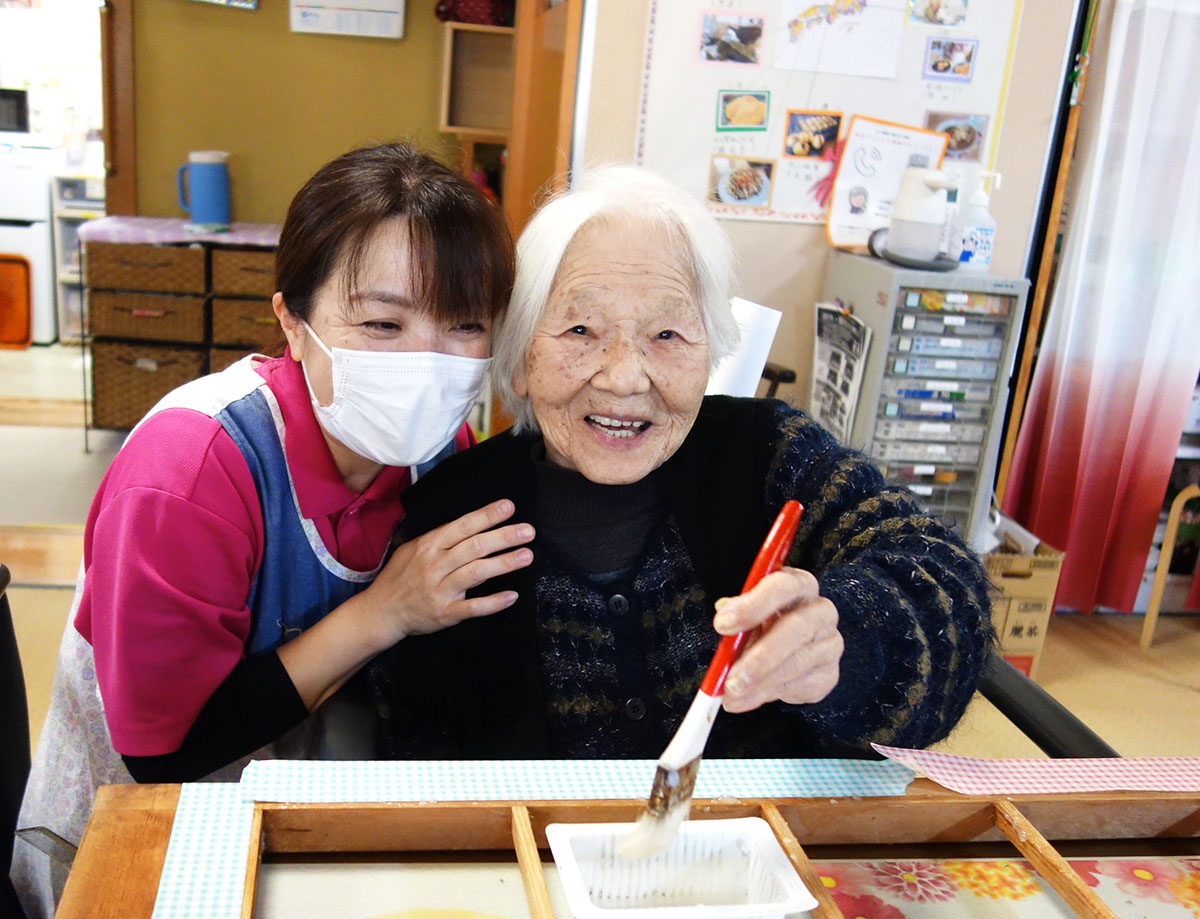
[974, 230]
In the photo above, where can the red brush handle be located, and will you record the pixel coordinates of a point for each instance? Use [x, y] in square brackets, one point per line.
[770, 558]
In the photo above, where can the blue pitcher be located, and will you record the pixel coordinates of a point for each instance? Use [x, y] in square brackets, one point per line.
[204, 194]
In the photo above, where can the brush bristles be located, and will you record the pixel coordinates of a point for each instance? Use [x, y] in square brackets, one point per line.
[653, 835]
[668, 805]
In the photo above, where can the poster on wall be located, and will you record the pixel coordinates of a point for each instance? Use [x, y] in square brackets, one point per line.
[874, 158]
[236, 4]
[366, 18]
[748, 102]
[850, 37]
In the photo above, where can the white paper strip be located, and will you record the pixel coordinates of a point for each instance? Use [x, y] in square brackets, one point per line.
[740, 373]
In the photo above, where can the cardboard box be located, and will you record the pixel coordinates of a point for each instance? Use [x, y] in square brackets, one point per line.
[1025, 585]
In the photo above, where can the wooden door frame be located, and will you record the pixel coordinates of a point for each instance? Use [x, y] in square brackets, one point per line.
[116, 71]
[520, 186]
[1038, 311]
[523, 181]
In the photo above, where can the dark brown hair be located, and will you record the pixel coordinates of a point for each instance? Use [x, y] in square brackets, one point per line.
[460, 247]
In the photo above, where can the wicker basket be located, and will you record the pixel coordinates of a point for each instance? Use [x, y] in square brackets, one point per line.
[220, 358]
[243, 271]
[135, 266]
[129, 379]
[162, 317]
[243, 322]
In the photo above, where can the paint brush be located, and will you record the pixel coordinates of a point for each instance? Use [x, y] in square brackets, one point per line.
[671, 794]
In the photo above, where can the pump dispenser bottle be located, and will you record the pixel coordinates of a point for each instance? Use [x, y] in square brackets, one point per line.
[973, 230]
[918, 220]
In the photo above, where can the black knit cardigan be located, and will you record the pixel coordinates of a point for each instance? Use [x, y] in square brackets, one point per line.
[544, 678]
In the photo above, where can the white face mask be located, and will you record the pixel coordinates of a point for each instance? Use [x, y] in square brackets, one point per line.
[398, 408]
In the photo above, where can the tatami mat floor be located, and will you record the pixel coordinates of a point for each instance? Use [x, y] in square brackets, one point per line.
[1143, 702]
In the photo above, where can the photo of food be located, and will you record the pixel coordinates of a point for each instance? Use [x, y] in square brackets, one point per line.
[966, 133]
[742, 110]
[937, 12]
[947, 59]
[730, 37]
[811, 134]
[741, 181]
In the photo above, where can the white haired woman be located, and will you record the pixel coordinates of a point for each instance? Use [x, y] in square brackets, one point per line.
[649, 501]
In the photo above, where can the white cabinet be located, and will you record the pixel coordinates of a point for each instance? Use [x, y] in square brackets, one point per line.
[76, 199]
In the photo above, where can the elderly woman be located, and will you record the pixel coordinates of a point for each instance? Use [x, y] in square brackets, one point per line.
[649, 501]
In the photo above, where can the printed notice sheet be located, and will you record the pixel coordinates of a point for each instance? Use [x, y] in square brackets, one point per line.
[841, 345]
[868, 176]
[369, 18]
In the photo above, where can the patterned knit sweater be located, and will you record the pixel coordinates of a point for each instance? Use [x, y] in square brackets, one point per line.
[585, 667]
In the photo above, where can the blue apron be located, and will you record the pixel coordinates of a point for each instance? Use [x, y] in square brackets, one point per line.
[290, 592]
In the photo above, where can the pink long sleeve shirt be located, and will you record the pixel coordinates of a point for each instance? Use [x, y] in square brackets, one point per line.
[172, 544]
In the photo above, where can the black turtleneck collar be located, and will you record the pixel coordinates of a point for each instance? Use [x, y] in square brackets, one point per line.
[601, 529]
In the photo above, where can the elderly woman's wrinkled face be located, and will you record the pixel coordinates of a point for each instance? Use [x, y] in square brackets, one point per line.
[619, 361]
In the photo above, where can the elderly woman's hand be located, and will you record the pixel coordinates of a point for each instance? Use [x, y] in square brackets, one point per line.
[794, 657]
[423, 586]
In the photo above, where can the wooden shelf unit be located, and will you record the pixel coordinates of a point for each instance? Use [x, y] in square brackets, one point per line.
[477, 80]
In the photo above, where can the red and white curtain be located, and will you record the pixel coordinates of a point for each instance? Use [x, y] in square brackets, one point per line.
[1121, 349]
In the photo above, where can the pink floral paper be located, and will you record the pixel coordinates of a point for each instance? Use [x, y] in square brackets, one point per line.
[1133, 888]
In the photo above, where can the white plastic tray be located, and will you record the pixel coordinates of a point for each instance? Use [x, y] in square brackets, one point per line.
[733, 869]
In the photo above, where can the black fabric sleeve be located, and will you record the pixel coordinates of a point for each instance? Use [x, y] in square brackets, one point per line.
[254, 705]
[913, 600]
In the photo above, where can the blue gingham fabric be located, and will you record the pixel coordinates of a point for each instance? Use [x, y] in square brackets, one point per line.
[308, 781]
[204, 874]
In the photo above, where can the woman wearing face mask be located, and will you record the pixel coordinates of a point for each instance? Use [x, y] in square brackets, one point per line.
[233, 578]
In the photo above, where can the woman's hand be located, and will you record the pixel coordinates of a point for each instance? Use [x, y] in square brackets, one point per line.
[793, 658]
[423, 587]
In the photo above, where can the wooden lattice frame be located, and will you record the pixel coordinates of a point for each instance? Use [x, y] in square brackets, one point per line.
[1027, 821]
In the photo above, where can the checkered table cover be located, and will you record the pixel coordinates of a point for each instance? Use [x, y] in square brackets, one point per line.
[971, 776]
[204, 874]
[308, 781]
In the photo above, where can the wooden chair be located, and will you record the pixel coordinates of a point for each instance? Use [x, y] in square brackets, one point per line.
[1164, 562]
